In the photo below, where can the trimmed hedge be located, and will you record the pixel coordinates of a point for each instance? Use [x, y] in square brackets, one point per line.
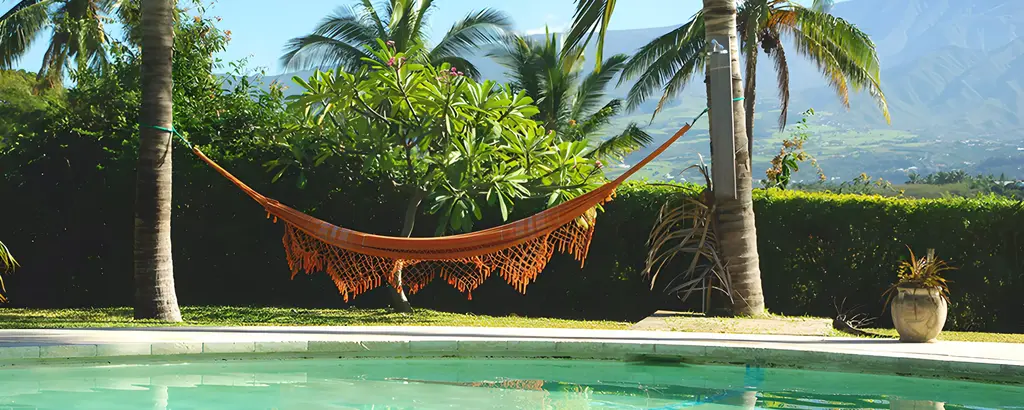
[816, 247]
[70, 224]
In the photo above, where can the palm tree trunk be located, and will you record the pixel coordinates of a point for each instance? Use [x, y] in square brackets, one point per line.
[399, 302]
[736, 229]
[749, 98]
[155, 297]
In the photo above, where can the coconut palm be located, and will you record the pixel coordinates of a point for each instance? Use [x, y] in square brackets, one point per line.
[734, 218]
[342, 38]
[78, 34]
[845, 55]
[570, 101]
[155, 296]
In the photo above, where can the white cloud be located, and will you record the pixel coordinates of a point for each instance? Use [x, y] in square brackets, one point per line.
[551, 25]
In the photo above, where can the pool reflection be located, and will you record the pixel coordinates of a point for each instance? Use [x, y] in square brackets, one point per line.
[472, 384]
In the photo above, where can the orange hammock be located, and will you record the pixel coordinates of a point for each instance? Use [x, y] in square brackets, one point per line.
[518, 251]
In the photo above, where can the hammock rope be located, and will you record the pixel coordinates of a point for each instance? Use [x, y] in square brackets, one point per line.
[518, 251]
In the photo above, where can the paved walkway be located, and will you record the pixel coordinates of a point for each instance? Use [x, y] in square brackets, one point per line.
[685, 321]
[988, 360]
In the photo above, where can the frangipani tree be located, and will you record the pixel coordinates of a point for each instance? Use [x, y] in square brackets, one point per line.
[449, 144]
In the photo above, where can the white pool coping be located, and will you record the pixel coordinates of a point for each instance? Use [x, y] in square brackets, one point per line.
[998, 362]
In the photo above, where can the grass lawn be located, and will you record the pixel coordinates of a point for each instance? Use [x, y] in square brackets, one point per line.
[801, 326]
[268, 316]
[264, 316]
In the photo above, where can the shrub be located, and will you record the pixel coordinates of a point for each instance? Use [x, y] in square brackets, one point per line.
[817, 246]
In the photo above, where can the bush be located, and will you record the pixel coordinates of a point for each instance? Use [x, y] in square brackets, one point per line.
[818, 247]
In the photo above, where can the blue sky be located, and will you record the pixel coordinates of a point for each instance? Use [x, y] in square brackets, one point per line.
[260, 28]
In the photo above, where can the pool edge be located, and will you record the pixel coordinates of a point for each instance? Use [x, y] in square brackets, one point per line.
[686, 353]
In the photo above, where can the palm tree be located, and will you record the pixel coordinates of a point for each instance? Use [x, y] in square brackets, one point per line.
[78, 34]
[341, 39]
[155, 297]
[842, 52]
[569, 102]
[845, 55]
[735, 227]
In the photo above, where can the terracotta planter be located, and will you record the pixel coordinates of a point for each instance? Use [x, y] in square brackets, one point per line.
[918, 313]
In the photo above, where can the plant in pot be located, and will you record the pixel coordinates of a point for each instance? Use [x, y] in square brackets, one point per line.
[920, 298]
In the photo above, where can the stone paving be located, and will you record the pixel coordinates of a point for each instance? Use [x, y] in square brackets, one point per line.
[987, 361]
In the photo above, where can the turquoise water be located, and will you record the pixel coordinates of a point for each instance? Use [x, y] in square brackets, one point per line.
[477, 384]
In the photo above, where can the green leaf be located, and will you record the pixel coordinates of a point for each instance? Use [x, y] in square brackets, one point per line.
[554, 197]
[279, 174]
[503, 206]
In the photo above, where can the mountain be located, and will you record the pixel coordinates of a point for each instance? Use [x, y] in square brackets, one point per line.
[952, 71]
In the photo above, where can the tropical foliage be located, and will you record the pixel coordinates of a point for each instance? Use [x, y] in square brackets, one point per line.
[436, 135]
[787, 161]
[845, 55]
[570, 102]
[78, 34]
[687, 225]
[346, 38]
[7, 264]
[926, 272]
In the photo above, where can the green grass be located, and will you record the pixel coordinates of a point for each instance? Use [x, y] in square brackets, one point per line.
[805, 326]
[265, 316]
[965, 336]
[268, 316]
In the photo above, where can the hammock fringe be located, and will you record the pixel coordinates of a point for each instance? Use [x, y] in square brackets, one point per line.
[354, 273]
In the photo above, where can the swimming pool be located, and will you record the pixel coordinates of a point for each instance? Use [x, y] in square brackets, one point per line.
[478, 384]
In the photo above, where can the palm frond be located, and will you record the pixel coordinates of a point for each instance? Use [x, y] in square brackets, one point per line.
[475, 30]
[843, 53]
[420, 19]
[518, 57]
[591, 16]
[372, 18]
[686, 226]
[593, 123]
[19, 27]
[319, 52]
[7, 261]
[7, 265]
[823, 6]
[778, 55]
[675, 57]
[592, 89]
[630, 139]
[559, 78]
[337, 41]
[403, 15]
[55, 59]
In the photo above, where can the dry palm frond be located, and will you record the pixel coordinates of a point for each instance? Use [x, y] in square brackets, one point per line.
[687, 227]
[7, 264]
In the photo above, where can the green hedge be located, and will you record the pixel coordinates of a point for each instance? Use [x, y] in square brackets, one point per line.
[69, 222]
[817, 247]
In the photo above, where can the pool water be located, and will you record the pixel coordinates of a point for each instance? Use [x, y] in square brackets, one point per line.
[478, 384]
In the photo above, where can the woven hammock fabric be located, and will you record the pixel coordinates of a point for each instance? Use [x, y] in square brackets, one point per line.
[517, 251]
